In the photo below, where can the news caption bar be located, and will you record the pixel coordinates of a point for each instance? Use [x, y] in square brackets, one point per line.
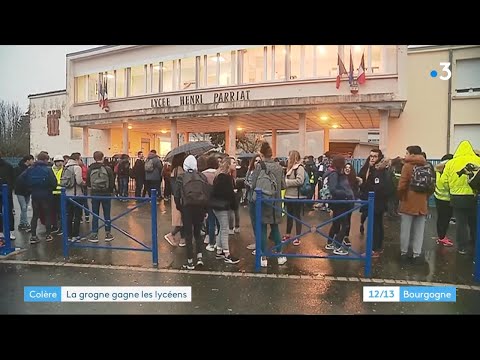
[409, 294]
[107, 294]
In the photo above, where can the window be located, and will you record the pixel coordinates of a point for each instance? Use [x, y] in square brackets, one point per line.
[167, 75]
[309, 61]
[253, 65]
[137, 80]
[93, 87]
[201, 71]
[296, 62]
[212, 62]
[467, 75]
[187, 74]
[325, 61]
[280, 56]
[228, 66]
[80, 89]
[76, 133]
[156, 78]
[121, 86]
[110, 84]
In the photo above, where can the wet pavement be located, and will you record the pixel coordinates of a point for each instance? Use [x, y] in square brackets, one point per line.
[443, 265]
[211, 294]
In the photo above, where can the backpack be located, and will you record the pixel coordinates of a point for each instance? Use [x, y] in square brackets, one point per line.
[68, 177]
[267, 182]
[325, 191]
[306, 189]
[149, 165]
[422, 180]
[195, 190]
[99, 180]
[123, 168]
[35, 177]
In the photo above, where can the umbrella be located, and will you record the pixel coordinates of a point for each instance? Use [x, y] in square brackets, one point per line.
[246, 156]
[194, 148]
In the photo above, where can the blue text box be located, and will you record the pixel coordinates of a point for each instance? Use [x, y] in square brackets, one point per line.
[428, 294]
[42, 294]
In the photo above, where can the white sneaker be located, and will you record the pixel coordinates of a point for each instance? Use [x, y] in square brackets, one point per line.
[206, 240]
[282, 260]
[2, 236]
[211, 247]
[236, 230]
[251, 246]
[182, 243]
[12, 235]
[263, 262]
[231, 232]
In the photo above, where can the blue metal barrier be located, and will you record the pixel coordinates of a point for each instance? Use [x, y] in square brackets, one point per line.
[7, 248]
[258, 229]
[72, 199]
[476, 274]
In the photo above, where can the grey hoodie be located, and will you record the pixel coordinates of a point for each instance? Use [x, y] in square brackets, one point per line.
[77, 189]
[156, 174]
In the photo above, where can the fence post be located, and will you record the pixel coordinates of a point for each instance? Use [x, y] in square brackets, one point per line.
[153, 201]
[258, 228]
[7, 249]
[368, 251]
[63, 208]
[477, 244]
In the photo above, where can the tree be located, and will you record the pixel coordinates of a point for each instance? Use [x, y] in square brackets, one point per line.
[218, 139]
[14, 130]
[250, 142]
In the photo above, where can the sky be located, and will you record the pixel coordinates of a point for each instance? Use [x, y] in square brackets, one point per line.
[32, 69]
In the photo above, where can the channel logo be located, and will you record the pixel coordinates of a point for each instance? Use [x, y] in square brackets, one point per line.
[445, 68]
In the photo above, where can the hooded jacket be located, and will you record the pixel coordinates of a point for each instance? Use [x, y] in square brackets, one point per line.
[441, 192]
[77, 169]
[7, 174]
[411, 202]
[294, 180]
[20, 188]
[461, 194]
[40, 169]
[111, 179]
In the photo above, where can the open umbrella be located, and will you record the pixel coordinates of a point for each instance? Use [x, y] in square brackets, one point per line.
[194, 148]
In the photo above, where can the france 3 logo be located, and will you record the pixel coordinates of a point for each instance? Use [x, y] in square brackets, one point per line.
[445, 69]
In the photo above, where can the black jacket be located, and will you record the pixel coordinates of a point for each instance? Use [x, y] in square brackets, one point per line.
[380, 183]
[111, 179]
[7, 175]
[223, 196]
[139, 170]
[20, 188]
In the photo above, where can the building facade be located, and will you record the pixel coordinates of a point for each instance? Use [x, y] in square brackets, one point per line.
[159, 95]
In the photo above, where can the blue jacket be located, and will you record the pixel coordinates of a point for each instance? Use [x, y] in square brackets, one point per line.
[339, 186]
[40, 180]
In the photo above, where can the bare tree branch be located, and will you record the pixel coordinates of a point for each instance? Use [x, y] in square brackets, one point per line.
[14, 130]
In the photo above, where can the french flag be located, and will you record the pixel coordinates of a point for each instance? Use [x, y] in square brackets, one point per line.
[350, 73]
[361, 71]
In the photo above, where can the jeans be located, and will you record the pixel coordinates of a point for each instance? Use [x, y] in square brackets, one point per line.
[444, 214]
[23, 202]
[339, 226]
[294, 209]
[123, 186]
[74, 214]
[192, 220]
[154, 184]
[41, 205]
[107, 206]
[12, 218]
[466, 220]
[251, 208]
[234, 215]
[275, 233]
[417, 222]
[139, 186]
[222, 238]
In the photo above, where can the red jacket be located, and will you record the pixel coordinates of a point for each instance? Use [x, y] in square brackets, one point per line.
[84, 172]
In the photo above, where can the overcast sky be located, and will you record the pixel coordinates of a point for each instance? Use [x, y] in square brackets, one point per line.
[31, 69]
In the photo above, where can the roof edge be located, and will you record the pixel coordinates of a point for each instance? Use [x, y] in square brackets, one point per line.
[48, 93]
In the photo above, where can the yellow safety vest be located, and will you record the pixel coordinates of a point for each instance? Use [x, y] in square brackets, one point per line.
[441, 192]
[58, 175]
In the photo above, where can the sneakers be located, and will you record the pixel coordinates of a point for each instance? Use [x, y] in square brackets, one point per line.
[54, 230]
[445, 242]
[281, 260]
[199, 260]
[87, 219]
[169, 238]
[404, 259]
[341, 251]
[251, 246]
[219, 255]
[182, 243]
[109, 237]
[296, 242]
[229, 259]
[48, 238]
[462, 251]
[263, 262]
[60, 232]
[231, 232]
[189, 265]
[93, 238]
[236, 230]
[329, 245]
[12, 235]
[285, 237]
[211, 247]
[34, 240]
[206, 240]
[346, 241]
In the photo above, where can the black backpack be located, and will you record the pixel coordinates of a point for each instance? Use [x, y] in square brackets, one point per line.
[423, 179]
[196, 190]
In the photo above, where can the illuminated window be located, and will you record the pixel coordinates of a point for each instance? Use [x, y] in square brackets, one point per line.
[137, 80]
[253, 65]
[187, 74]
[280, 56]
[167, 75]
[121, 88]
[110, 77]
[296, 62]
[80, 89]
[212, 62]
[309, 61]
[156, 78]
[228, 67]
[93, 87]
[76, 133]
[325, 63]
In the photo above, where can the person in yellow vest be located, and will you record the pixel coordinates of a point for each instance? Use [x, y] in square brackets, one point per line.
[462, 196]
[56, 215]
[442, 203]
